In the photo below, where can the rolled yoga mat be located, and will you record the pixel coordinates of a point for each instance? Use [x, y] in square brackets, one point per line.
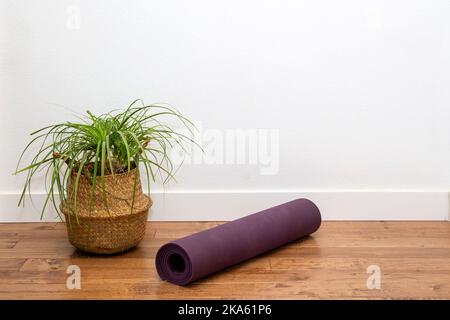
[190, 258]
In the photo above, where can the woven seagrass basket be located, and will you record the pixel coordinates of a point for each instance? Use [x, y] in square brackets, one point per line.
[110, 226]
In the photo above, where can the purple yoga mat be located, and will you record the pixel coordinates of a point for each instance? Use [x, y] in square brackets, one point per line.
[190, 258]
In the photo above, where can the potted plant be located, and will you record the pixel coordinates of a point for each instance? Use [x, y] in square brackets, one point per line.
[93, 165]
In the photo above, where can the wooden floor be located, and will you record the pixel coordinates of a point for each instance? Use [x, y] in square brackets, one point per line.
[414, 258]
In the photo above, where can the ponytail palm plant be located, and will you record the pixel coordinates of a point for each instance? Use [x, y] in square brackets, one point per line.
[101, 145]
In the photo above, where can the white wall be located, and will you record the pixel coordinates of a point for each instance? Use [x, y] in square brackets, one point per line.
[358, 90]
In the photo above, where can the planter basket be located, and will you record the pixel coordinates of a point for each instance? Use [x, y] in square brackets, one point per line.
[110, 226]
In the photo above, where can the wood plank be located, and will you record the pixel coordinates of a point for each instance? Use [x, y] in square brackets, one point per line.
[414, 258]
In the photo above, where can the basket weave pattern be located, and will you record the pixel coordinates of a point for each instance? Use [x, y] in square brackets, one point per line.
[106, 225]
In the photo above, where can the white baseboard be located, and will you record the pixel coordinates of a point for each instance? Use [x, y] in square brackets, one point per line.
[229, 205]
